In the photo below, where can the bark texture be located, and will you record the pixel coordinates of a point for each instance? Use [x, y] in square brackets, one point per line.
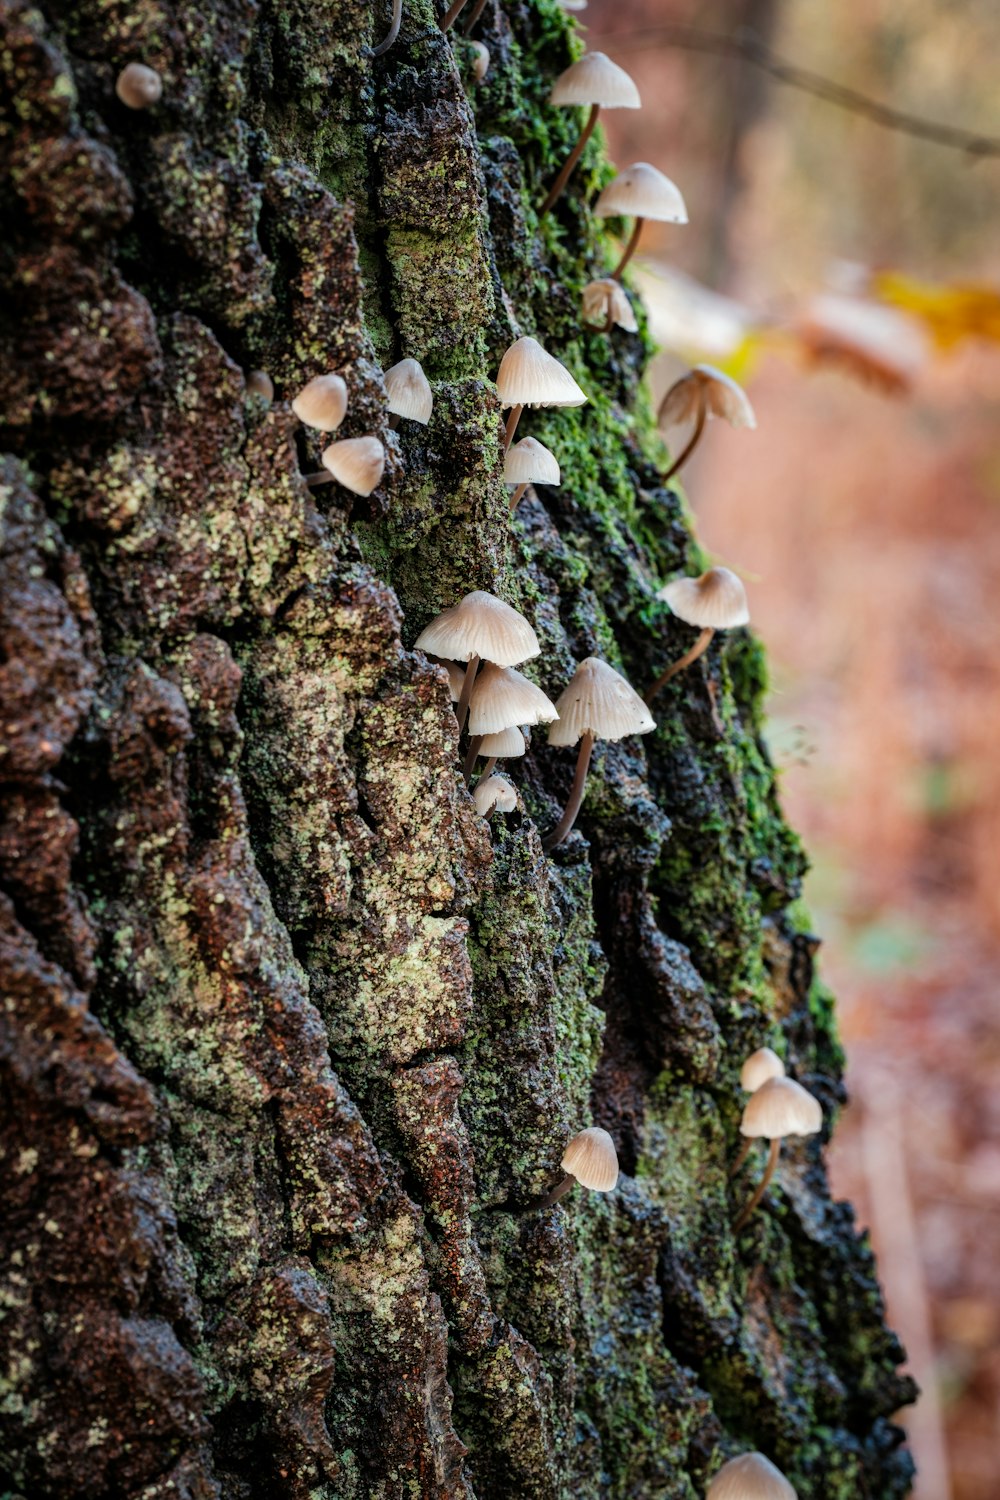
[289, 1036]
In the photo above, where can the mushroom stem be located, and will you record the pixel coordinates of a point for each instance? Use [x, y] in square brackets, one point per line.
[477, 11]
[514, 499]
[761, 1189]
[565, 824]
[471, 757]
[554, 1194]
[700, 646]
[692, 441]
[558, 187]
[322, 476]
[452, 14]
[489, 767]
[393, 32]
[744, 1152]
[616, 274]
[511, 428]
[462, 706]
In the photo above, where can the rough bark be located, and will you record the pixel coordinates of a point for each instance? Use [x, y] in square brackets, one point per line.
[290, 1037]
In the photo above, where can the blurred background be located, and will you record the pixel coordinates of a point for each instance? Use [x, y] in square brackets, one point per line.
[849, 276]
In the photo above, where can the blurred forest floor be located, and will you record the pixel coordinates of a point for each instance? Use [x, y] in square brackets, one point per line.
[867, 528]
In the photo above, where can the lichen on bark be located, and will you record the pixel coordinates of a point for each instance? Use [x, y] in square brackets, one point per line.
[290, 1037]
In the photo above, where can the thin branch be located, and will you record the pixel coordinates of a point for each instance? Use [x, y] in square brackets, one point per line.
[746, 47]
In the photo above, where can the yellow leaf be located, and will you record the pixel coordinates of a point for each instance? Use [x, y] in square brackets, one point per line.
[950, 313]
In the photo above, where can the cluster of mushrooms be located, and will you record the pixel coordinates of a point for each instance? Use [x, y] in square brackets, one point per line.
[481, 640]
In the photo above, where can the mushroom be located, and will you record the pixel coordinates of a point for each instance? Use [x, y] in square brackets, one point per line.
[138, 86]
[506, 744]
[597, 704]
[758, 1068]
[528, 376]
[644, 192]
[591, 1160]
[702, 393]
[605, 305]
[501, 699]
[480, 60]
[595, 80]
[750, 1477]
[479, 627]
[494, 794]
[715, 601]
[356, 463]
[409, 392]
[259, 383]
[321, 403]
[456, 675]
[393, 32]
[529, 462]
[780, 1107]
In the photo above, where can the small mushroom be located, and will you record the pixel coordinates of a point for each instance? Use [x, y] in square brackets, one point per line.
[393, 32]
[409, 392]
[597, 704]
[758, 1068]
[703, 393]
[494, 794]
[750, 1477]
[506, 744]
[479, 627]
[528, 376]
[502, 699]
[591, 1160]
[528, 462]
[779, 1108]
[595, 80]
[643, 192]
[138, 86]
[605, 306]
[259, 383]
[715, 601]
[321, 403]
[480, 60]
[356, 463]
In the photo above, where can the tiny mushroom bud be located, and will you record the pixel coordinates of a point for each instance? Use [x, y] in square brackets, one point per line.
[528, 462]
[528, 376]
[259, 383]
[750, 1477]
[780, 1107]
[597, 704]
[644, 192]
[703, 393]
[759, 1067]
[480, 60]
[494, 794]
[138, 86]
[605, 306]
[356, 463]
[715, 601]
[409, 392]
[591, 1160]
[595, 80]
[479, 627]
[506, 744]
[322, 403]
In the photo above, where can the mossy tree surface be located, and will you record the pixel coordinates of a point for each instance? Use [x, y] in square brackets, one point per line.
[290, 1038]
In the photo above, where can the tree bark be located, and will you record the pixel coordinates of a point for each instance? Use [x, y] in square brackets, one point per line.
[290, 1037]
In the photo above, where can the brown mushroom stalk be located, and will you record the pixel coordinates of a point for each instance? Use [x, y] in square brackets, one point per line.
[477, 11]
[741, 1157]
[564, 1186]
[393, 32]
[462, 706]
[761, 1188]
[516, 496]
[472, 755]
[490, 765]
[559, 186]
[575, 801]
[511, 427]
[700, 646]
[616, 274]
[692, 442]
[452, 14]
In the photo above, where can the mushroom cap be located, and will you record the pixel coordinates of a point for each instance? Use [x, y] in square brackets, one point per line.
[595, 79]
[494, 792]
[502, 698]
[530, 462]
[356, 463]
[321, 403]
[750, 1477]
[599, 700]
[456, 675]
[781, 1107]
[717, 599]
[259, 383]
[602, 297]
[725, 397]
[528, 376]
[481, 60]
[409, 391]
[592, 1159]
[480, 625]
[759, 1067]
[139, 86]
[644, 193]
[506, 744]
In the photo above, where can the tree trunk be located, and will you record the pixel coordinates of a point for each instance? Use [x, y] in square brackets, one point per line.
[290, 1037]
